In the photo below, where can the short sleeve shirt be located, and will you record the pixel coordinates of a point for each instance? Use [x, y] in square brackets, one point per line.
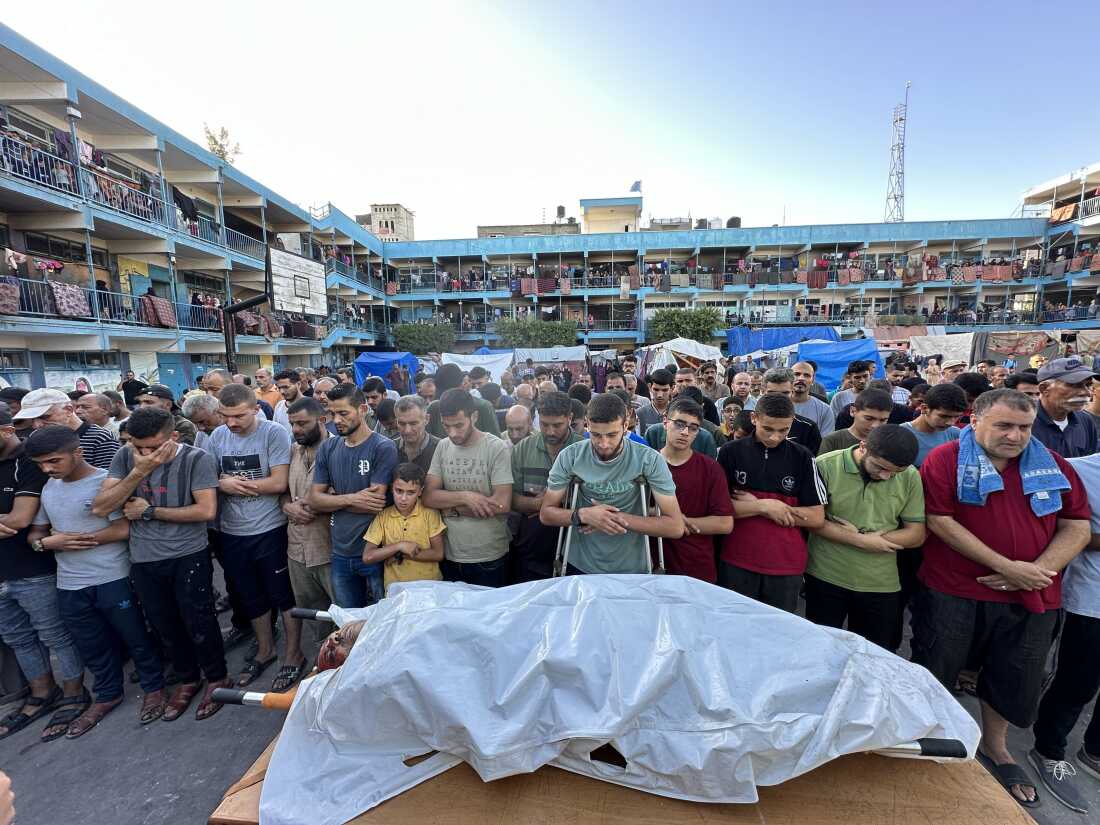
[171, 485]
[19, 478]
[421, 525]
[479, 468]
[871, 506]
[251, 456]
[346, 470]
[701, 491]
[787, 473]
[610, 482]
[1081, 582]
[1005, 524]
[531, 464]
[98, 444]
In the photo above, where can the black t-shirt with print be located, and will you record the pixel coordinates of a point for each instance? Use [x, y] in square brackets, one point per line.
[19, 476]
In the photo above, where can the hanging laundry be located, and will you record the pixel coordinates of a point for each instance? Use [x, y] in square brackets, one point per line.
[13, 260]
[63, 145]
[186, 205]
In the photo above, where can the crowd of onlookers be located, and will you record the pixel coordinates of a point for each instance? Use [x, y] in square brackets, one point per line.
[966, 498]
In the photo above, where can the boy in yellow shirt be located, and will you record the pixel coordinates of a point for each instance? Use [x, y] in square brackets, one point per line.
[408, 536]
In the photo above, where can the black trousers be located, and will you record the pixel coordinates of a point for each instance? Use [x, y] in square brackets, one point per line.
[1075, 684]
[874, 616]
[177, 595]
[237, 614]
[777, 591]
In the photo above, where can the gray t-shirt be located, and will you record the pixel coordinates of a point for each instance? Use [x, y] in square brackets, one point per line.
[480, 468]
[842, 400]
[67, 507]
[648, 416]
[818, 412]
[610, 482]
[170, 485]
[346, 470]
[1081, 582]
[927, 442]
[251, 456]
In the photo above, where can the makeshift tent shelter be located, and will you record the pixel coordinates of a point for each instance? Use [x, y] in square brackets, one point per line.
[832, 359]
[488, 351]
[951, 347]
[743, 340]
[379, 364]
[494, 364]
[676, 353]
[551, 355]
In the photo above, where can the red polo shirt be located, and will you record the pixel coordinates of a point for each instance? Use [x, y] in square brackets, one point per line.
[1005, 524]
[701, 491]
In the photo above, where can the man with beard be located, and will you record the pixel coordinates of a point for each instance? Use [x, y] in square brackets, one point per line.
[470, 483]
[875, 508]
[517, 422]
[609, 532]
[805, 404]
[202, 411]
[288, 382]
[535, 544]
[708, 375]
[997, 376]
[351, 477]
[309, 543]
[1065, 388]
[857, 375]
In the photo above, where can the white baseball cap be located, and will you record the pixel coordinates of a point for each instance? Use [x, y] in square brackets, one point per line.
[37, 403]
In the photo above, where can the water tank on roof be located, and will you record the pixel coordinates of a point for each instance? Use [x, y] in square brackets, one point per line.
[561, 212]
[733, 223]
[701, 223]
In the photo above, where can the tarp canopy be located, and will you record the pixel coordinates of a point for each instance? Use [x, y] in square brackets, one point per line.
[496, 365]
[487, 351]
[833, 357]
[666, 353]
[705, 694]
[551, 355]
[379, 363]
[951, 347]
[742, 340]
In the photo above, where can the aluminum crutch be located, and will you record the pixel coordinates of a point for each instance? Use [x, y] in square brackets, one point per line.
[561, 555]
[643, 491]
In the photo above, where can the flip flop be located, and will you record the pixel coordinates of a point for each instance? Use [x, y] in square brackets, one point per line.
[288, 676]
[67, 713]
[17, 720]
[1009, 774]
[253, 669]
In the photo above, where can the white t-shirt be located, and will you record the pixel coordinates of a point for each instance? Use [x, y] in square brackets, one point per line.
[1081, 579]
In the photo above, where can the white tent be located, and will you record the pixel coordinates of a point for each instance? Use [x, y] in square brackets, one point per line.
[551, 355]
[495, 365]
[665, 353]
[952, 347]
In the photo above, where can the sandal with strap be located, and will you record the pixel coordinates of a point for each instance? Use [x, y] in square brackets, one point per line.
[17, 720]
[152, 707]
[208, 707]
[91, 717]
[181, 700]
[70, 708]
[288, 676]
[252, 670]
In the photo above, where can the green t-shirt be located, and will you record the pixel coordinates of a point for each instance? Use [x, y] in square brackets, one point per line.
[870, 506]
[837, 440]
[531, 464]
[610, 482]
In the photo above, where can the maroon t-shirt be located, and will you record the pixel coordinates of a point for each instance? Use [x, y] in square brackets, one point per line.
[701, 491]
[1005, 524]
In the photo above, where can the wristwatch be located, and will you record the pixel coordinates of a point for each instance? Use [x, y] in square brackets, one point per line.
[37, 546]
[147, 513]
[575, 519]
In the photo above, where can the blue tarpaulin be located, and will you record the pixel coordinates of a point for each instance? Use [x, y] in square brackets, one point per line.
[487, 351]
[832, 359]
[379, 363]
[743, 340]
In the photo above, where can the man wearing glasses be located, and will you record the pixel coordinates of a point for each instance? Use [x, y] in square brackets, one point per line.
[609, 532]
[701, 492]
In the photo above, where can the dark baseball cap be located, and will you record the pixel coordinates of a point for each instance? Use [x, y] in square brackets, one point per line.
[159, 391]
[1071, 370]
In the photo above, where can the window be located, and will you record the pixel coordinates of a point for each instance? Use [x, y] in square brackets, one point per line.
[105, 359]
[31, 128]
[14, 359]
[62, 249]
[120, 168]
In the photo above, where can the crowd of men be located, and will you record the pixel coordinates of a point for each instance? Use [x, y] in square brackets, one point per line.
[967, 499]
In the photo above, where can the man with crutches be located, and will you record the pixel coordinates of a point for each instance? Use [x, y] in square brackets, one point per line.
[598, 493]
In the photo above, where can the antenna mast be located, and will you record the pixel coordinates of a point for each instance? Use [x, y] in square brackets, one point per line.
[895, 186]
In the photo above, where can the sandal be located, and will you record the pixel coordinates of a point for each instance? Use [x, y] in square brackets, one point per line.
[253, 669]
[288, 676]
[208, 707]
[181, 700]
[17, 720]
[91, 717]
[66, 714]
[1011, 775]
[152, 707]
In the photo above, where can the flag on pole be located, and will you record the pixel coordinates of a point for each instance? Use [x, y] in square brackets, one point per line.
[636, 186]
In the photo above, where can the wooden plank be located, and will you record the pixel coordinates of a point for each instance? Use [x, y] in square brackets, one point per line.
[864, 789]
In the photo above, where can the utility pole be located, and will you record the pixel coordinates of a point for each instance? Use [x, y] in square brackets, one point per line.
[895, 186]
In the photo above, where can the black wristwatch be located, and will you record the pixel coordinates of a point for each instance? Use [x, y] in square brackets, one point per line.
[575, 519]
[147, 513]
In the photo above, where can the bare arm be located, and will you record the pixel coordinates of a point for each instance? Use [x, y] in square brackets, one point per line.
[204, 508]
[23, 511]
[669, 525]
[1071, 537]
[274, 484]
[527, 505]
[439, 499]
[552, 513]
[369, 500]
[911, 535]
[115, 492]
[710, 525]
[117, 530]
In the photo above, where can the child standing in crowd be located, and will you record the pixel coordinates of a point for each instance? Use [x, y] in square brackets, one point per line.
[407, 536]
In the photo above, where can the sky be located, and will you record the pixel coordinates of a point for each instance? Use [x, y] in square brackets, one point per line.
[494, 113]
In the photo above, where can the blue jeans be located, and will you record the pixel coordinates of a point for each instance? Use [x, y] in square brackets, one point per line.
[99, 617]
[355, 584]
[485, 573]
[30, 624]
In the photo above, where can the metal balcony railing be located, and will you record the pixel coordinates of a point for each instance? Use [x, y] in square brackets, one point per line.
[22, 160]
[106, 191]
[607, 325]
[1090, 208]
[206, 229]
[244, 244]
[191, 316]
